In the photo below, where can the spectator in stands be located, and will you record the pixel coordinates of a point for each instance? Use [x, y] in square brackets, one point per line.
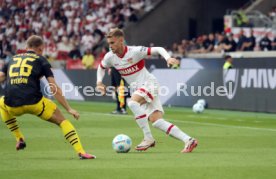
[209, 43]
[88, 59]
[175, 48]
[199, 48]
[265, 43]
[20, 43]
[180, 50]
[273, 44]
[50, 49]
[228, 62]
[193, 45]
[272, 13]
[9, 56]
[230, 44]
[185, 45]
[241, 41]
[65, 45]
[5, 47]
[219, 47]
[132, 17]
[75, 53]
[87, 41]
[250, 43]
[67, 18]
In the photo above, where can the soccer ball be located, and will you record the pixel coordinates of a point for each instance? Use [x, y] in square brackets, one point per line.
[121, 143]
[198, 108]
[203, 102]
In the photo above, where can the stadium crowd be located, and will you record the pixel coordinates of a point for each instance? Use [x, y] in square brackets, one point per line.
[73, 29]
[70, 28]
[228, 42]
[222, 42]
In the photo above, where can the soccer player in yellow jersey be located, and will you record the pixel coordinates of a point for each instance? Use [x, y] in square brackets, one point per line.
[23, 95]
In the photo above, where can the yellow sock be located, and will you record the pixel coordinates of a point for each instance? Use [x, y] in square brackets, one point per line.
[13, 126]
[71, 136]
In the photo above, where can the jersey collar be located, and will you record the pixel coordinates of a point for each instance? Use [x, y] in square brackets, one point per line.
[125, 51]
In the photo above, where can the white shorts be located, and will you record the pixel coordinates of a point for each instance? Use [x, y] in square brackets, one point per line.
[149, 91]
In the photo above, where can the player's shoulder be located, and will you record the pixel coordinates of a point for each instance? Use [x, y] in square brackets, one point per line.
[137, 49]
[109, 55]
[27, 55]
[42, 59]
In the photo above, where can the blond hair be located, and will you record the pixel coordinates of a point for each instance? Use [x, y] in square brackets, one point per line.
[115, 32]
[34, 41]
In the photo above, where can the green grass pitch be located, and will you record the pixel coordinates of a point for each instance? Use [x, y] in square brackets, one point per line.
[232, 145]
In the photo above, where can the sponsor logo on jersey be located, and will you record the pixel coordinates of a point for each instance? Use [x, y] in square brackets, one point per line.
[132, 69]
[143, 49]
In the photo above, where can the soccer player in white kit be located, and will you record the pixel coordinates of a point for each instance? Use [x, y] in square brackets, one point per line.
[144, 103]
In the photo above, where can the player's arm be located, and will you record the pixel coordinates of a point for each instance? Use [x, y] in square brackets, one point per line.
[57, 92]
[161, 51]
[100, 76]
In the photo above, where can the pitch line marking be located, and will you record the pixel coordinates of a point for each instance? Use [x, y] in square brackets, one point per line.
[188, 122]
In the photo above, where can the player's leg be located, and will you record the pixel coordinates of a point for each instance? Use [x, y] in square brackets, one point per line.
[118, 109]
[12, 124]
[156, 117]
[123, 108]
[50, 113]
[70, 134]
[141, 119]
[126, 90]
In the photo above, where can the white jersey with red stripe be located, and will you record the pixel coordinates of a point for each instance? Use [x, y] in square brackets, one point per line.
[131, 65]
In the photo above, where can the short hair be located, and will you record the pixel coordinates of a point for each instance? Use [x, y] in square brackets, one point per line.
[116, 32]
[34, 41]
[226, 57]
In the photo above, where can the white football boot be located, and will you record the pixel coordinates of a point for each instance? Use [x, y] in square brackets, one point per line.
[190, 146]
[145, 144]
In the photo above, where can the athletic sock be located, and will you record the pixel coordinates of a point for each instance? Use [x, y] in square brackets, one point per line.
[171, 129]
[141, 118]
[71, 136]
[14, 128]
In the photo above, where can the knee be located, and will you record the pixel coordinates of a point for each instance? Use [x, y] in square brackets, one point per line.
[155, 116]
[56, 121]
[133, 104]
[57, 117]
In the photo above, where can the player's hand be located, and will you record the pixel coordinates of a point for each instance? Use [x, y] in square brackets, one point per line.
[101, 87]
[74, 113]
[172, 61]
